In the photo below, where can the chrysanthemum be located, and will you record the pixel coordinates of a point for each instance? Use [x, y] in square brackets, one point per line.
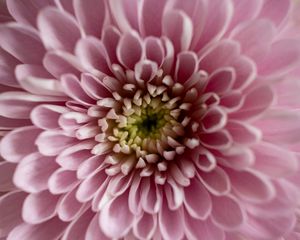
[148, 119]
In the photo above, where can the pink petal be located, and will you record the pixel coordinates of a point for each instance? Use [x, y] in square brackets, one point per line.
[219, 55]
[275, 161]
[218, 16]
[216, 140]
[217, 181]
[174, 195]
[170, 223]
[14, 147]
[21, 103]
[245, 10]
[90, 15]
[146, 70]
[58, 29]
[31, 175]
[145, 227]
[26, 12]
[251, 186]
[150, 197]
[186, 66]
[276, 12]
[94, 87]
[74, 89]
[154, 50]
[51, 143]
[89, 166]
[256, 102]
[243, 133]
[74, 154]
[58, 63]
[39, 207]
[49, 230]
[65, 5]
[151, 17]
[232, 101]
[178, 27]
[89, 186]
[221, 80]
[78, 228]
[283, 56]
[7, 67]
[92, 55]
[110, 39]
[68, 208]
[22, 43]
[227, 213]
[46, 116]
[213, 120]
[125, 14]
[129, 50]
[197, 200]
[7, 170]
[62, 181]
[198, 229]
[252, 45]
[115, 219]
[134, 198]
[10, 211]
[94, 231]
[35, 79]
[205, 160]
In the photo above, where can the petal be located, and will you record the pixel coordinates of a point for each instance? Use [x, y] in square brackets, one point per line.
[78, 228]
[216, 181]
[219, 55]
[6, 173]
[216, 140]
[92, 55]
[68, 208]
[151, 17]
[22, 43]
[58, 63]
[115, 219]
[213, 120]
[62, 181]
[251, 186]
[275, 161]
[145, 70]
[46, 116]
[58, 29]
[255, 103]
[94, 231]
[110, 39]
[277, 12]
[73, 155]
[227, 213]
[33, 172]
[178, 27]
[129, 50]
[94, 87]
[186, 66]
[221, 80]
[51, 143]
[39, 207]
[283, 56]
[10, 211]
[170, 223]
[247, 35]
[150, 197]
[7, 68]
[19, 143]
[73, 88]
[49, 230]
[198, 229]
[154, 50]
[35, 79]
[174, 195]
[197, 200]
[243, 133]
[145, 227]
[90, 15]
[218, 16]
[26, 12]
[125, 14]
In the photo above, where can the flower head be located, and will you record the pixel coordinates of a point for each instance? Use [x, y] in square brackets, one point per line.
[148, 119]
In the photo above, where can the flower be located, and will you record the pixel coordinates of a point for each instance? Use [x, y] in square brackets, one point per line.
[150, 119]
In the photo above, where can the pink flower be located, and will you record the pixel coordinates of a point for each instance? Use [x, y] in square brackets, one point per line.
[150, 119]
